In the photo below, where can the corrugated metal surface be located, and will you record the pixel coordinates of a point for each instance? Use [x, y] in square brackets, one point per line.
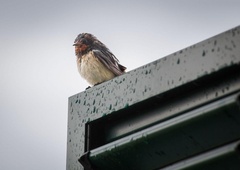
[226, 157]
[175, 139]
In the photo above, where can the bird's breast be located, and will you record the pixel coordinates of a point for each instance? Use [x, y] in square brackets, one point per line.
[91, 69]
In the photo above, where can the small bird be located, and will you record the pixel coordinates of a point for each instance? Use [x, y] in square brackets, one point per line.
[95, 62]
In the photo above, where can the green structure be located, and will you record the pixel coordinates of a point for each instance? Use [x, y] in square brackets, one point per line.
[179, 112]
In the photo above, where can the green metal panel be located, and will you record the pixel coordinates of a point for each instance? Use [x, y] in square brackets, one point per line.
[172, 140]
[226, 157]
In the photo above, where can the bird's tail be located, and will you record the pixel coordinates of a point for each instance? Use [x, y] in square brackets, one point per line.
[122, 68]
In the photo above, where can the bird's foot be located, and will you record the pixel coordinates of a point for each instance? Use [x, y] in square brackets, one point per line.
[88, 87]
[93, 85]
[96, 84]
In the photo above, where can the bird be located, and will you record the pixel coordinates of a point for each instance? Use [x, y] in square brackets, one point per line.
[95, 62]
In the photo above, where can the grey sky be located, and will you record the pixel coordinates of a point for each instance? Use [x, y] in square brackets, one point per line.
[38, 69]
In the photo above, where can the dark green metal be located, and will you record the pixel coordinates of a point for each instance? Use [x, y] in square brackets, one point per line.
[170, 141]
[226, 157]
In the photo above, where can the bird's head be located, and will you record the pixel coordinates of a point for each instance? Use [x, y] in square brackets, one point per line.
[83, 43]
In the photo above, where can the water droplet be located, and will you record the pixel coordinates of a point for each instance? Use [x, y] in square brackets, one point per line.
[204, 53]
[178, 61]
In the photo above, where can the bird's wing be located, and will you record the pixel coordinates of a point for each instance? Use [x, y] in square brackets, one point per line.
[110, 61]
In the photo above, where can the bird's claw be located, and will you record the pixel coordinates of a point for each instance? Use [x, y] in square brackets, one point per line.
[88, 87]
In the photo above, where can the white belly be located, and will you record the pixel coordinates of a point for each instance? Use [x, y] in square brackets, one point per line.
[91, 69]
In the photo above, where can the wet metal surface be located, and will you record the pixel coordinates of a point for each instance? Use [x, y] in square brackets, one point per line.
[160, 76]
[172, 140]
[222, 158]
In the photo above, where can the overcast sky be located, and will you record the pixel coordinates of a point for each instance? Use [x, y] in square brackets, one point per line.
[38, 67]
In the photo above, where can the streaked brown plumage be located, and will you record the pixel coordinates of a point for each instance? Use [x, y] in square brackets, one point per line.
[96, 63]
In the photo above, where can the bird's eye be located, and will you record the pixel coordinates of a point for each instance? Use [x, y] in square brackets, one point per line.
[84, 41]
